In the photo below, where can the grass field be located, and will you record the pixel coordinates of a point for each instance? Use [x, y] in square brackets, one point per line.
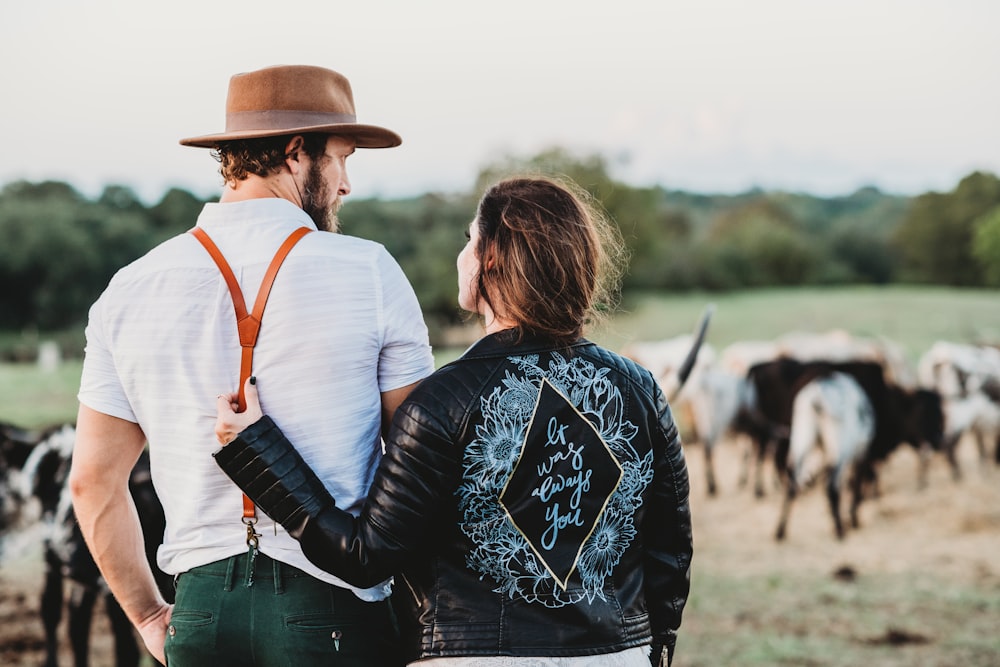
[913, 317]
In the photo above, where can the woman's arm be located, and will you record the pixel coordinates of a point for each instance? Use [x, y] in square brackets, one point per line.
[413, 480]
[666, 532]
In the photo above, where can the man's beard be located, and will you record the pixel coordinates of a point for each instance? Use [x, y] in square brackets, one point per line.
[317, 202]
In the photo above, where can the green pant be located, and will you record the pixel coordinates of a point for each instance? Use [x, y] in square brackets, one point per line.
[274, 615]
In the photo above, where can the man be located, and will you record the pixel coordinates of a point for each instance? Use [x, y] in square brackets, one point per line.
[341, 343]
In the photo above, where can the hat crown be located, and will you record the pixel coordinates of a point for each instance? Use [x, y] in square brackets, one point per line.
[290, 88]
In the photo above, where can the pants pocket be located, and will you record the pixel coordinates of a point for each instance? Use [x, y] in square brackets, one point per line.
[349, 640]
[191, 636]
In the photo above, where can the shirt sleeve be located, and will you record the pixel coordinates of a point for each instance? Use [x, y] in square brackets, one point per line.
[406, 355]
[100, 385]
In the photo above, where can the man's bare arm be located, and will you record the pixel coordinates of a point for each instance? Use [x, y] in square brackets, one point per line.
[390, 401]
[106, 450]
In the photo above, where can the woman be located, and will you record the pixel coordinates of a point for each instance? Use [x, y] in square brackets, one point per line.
[533, 498]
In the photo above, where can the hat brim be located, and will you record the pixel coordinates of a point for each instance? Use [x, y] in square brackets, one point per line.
[367, 136]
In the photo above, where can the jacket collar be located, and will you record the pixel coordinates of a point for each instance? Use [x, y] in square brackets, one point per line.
[503, 343]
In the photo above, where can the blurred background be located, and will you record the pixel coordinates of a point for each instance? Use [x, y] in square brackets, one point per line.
[806, 167]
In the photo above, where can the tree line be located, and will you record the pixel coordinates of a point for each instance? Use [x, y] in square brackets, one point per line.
[60, 248]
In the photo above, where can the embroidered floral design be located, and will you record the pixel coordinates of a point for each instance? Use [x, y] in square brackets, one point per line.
[500, 551]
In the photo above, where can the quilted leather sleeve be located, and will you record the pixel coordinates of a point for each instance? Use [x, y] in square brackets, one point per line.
[265, 465]
[666, 531]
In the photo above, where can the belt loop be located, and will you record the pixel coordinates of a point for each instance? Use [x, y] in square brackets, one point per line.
[279, 584]
[230, 572]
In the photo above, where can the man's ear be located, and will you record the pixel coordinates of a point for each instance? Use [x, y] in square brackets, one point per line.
[292, 150]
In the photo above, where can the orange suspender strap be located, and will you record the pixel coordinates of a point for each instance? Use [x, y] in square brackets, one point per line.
[248, 324]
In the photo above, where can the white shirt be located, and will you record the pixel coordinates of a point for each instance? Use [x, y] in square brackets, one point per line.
[342, 324]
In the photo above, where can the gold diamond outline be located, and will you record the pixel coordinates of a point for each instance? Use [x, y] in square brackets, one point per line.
[562, 583]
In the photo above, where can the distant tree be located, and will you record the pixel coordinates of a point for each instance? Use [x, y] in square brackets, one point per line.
[175, 213]
[423, 234]
[761, 211]
[986, 247]
[120, 198]
[935, 237]
[863, 255]
[59, 252]
[772, 246]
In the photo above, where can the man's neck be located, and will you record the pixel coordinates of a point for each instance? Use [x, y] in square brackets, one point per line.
[259, 187]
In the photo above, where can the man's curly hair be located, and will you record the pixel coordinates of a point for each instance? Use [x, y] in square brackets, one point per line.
[261, 156]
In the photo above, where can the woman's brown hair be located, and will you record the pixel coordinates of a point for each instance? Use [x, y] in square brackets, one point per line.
[549, 260]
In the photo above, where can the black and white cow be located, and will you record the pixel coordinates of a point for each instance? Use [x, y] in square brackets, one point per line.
[833, 426]
[43, 478]
[16, 445]
[901, 415]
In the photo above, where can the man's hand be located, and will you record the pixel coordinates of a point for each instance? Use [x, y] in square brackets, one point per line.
[153, 631]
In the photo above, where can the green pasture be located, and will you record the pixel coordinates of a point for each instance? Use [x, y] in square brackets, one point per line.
[913, 317]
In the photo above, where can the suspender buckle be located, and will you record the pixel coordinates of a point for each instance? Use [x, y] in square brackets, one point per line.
[252, 534]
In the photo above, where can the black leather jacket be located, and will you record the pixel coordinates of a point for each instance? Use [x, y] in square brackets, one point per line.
[577, 543]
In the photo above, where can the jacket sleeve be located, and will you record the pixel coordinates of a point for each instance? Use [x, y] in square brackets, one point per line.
[666, 533]
[403, 510]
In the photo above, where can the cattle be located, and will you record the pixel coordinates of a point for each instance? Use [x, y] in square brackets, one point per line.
[717, 396]
[43, 478]
[957, 369]
[713, 399]
[665, 359]
[15, 447]
[968, 377]
[833, 425]
[902, 415]
[838, 345]
[978, 415]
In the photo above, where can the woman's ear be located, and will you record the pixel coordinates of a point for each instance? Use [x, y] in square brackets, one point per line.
[489, 261]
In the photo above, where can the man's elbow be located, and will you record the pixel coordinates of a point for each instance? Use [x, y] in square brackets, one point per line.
[81, 480]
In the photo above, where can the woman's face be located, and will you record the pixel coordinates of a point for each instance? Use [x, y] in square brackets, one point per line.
[468, 270]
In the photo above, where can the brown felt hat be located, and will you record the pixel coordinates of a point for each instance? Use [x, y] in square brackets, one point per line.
[293, 99]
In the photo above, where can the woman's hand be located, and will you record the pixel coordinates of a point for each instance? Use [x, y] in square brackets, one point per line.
[228, 422]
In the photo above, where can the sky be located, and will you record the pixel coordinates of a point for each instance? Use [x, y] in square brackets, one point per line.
[712, 96]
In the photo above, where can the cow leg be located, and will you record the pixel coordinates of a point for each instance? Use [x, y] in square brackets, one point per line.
[861, 475]
[126, 647]
[981, 444]
[950, 449]
[81, 615]
[924, 464]
[52, 607]
[833, 496]
[758, 483]
[744, 477]
[786, 510]
[709, 469]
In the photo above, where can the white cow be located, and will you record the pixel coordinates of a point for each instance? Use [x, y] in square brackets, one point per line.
[958, 369]
[968, 378]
